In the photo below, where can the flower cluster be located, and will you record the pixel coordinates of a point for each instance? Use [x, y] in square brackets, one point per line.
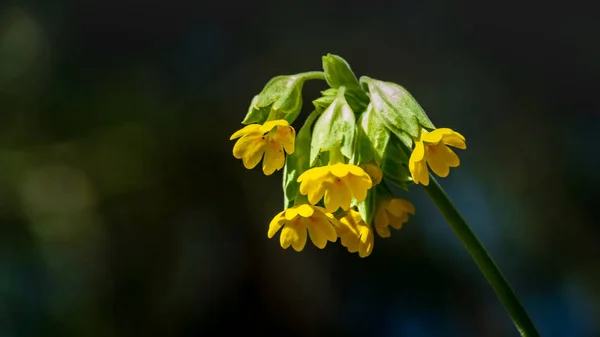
[362, 137]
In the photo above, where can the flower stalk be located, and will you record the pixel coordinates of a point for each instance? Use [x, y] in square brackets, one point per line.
[484, 261]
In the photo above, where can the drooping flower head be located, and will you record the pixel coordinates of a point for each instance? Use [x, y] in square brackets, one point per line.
[297, 220]
[355, 234]
[432, 148]
[337, 183]
[392, 212]
[266, 142]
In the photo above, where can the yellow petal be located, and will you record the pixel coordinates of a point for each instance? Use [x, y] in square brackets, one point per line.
[396, 222]
[314, 189]
[381, 217]
[338, 195]
[436, 160]
[268, 126]
[274, 159]
[359, 186]
[294, 235]
[320, 232]
[357, 170]
[349, 238]
[315, 173]
[366, 245]
[451, 158]
[454, 139]
[383, 232]
[432, 137]
[286, 137]
[418, 153]
[340, 170]
[420, 173]
[245, 130]
[402, 205]
[244, 144]
[276, 224]
[322, 214]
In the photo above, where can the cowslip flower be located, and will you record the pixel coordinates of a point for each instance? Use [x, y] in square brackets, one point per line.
[355, 234]
[432, 148]
[336, 183]
[297, 220]
[266, 142]
[374, 172]
[392, 212]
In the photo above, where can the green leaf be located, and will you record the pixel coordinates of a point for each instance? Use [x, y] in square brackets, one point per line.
[298, 162]
[335, 128]
[373, 137]
[396, 107]
[395, 163]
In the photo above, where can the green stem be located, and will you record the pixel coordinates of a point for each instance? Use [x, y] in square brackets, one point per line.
[313, 75]
[485, 262]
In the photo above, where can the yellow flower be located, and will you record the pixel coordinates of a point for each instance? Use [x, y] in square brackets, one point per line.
[392, 212]
[338, 183]
[431, 148]
[296, 220]
[355, 234]
[374, 172]
[269, 140]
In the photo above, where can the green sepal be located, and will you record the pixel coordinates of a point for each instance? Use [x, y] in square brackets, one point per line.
[367, 207]
[396, 107]
[334, 128]
[297, 162]
[328, 96]
[339, 74]
[281, 98]
[372, 137]
[395, 163]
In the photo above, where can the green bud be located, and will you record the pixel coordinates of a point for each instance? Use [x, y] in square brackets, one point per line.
[297, 162]
[334, 129]
[397, 108]
[281, 98]
[395, 163]
[372, 137]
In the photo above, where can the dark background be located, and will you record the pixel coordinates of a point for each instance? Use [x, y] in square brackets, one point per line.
[124, 213]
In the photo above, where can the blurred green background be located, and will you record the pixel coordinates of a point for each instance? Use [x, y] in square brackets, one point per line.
[124, 213]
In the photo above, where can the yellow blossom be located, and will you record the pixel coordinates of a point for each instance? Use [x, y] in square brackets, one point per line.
[355, 234]
[269, 139]
[297, 220]
[337, 183]
[374, 172]
[432, 148]
[392, 212]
